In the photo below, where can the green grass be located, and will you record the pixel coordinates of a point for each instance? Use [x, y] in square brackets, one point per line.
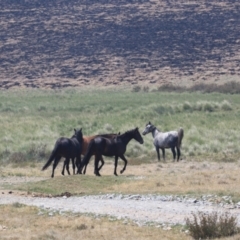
[32, 120]
[78, 185]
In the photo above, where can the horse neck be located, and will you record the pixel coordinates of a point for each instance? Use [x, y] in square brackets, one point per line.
[155, 131]
[78, 138]
[127, 137]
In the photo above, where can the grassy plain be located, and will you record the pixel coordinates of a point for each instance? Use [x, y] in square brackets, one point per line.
[31, 121]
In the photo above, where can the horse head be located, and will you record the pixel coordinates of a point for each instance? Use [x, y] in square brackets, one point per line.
[137, 136]
[149, 128]
[78, 134]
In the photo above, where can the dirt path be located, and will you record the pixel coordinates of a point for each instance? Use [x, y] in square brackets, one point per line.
[141, 209]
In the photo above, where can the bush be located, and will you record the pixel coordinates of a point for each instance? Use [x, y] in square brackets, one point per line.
[37, 151]
[171, 88]
[187, 106]
[17, 157]
[136, 89]
[226, 106]
[146, 89]
[208, 107]
[213, 225]
[229, 87]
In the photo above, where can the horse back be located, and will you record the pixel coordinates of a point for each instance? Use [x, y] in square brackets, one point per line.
[68, 147]
[88, 139]
[106, 146]
[166, 139]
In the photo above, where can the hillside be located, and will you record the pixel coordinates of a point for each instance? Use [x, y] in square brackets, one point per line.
[61, 43]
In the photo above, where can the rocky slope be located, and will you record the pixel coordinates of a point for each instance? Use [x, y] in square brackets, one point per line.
[51, 44]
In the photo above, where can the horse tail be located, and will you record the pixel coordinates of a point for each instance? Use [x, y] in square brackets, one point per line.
[180, 136]
[51, 158]
[88, 154]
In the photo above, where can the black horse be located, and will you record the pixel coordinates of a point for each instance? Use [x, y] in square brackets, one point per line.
[111, 147]
[69, 148]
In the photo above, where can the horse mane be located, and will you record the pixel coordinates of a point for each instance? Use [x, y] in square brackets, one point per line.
[154, 127]
[105, 134]
[129, 131]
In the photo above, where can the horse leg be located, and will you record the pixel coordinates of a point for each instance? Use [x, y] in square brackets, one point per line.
[125, 163]
[97, 157]
[158, 153]
[56, 161]
[85, 169]
[163, 153]
[73, 165]
[64, 165]
[67, 166]
[78, 164]
[102, 161]
[174, 153]
[115, 165]
[178, 153]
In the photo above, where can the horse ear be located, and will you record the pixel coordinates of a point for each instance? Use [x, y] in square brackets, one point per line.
[149, 123]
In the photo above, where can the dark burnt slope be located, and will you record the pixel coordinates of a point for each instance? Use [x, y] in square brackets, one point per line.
[58, 43]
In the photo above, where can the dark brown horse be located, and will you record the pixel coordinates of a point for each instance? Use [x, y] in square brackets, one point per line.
[111, 147]
[85, 144]
[69, 148]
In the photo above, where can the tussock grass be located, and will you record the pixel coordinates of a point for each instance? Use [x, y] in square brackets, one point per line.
[214, 225]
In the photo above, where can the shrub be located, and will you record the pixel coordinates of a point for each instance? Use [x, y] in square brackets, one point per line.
[160, 109]
[187, 106]
[208, 107]
[42, 108]
[17, 157]
[229, 87]
[37, 151]
[146, 89]
[226, 106]
[212, 225]
[108, 127]
[171, 88]
[136, 89]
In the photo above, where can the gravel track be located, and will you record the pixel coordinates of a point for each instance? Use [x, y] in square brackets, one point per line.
[142, 209]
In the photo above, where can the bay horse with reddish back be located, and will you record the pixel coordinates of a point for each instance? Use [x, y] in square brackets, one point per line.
[85, 144]
[162, 140]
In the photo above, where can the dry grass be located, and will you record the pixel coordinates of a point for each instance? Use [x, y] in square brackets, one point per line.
[184, 177]
[34, 224]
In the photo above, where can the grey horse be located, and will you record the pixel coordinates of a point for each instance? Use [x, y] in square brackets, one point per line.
[162, 140]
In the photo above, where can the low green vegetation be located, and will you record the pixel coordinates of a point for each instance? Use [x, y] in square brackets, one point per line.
[32, 120]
